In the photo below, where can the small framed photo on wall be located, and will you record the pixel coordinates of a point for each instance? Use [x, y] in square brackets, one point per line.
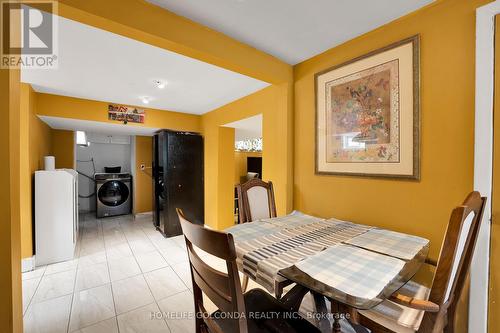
[368, 114]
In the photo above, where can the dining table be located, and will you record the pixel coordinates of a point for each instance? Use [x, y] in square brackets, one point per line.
[354, 266]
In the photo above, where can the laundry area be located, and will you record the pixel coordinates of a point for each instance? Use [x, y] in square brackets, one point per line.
[122, 256]
[105, 180]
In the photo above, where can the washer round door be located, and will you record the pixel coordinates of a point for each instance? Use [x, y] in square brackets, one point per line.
[113, 193]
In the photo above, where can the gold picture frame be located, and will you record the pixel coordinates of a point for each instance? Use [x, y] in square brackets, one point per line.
[368, 114]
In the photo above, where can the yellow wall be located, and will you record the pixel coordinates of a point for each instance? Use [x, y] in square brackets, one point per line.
[225, 177]
[37, 137]
[447, 31]
[77, 108]
[25, 109]
[40, 138]
[272, 103]
[10, 241]
[240, 163]
[6, 281]
[143, 196]
[63, 148]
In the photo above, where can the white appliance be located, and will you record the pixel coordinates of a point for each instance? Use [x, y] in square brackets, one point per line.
[56, 215]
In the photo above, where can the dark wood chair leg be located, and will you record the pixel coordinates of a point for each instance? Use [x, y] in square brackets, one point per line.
[449, 325]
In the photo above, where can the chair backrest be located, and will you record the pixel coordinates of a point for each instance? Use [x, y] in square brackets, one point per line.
[454, 261]
[224, 290]
[256, 200]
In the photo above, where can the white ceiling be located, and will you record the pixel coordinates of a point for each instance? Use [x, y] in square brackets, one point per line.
[96, 126]
[99, 65]
[248, 128]
[292, 30]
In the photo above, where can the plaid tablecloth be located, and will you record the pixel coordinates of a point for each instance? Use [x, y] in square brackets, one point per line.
[352, 270]
[266, 246]
[295, 219]
[388, 242]
[254, 230]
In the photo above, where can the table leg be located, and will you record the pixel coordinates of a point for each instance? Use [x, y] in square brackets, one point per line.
[321, 312]
[293, 298]
[335, 310]
[353, 318]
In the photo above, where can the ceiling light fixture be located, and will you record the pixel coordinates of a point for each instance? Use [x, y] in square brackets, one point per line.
[160, 84]
[145, 100]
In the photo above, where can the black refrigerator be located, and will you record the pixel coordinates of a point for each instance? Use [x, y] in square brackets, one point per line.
[177, 179]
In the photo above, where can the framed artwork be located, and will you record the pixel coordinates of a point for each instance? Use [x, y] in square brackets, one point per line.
[367, 114]
[126, 114]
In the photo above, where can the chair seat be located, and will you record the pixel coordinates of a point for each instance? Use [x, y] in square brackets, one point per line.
[258, 303]
[396, 317]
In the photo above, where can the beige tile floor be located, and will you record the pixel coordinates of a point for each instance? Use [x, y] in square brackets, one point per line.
[124, 270]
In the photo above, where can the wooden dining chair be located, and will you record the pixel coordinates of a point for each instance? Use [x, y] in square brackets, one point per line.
[415, 308]
[261, 312]
[255, 200]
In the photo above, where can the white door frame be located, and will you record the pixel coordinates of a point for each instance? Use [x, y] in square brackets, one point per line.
[483, 160]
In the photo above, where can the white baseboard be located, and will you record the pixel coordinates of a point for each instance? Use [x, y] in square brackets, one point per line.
[28, 264]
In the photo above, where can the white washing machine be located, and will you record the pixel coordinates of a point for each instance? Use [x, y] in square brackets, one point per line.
[113, 194]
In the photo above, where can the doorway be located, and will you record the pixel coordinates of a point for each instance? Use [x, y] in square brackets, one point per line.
[248, 148]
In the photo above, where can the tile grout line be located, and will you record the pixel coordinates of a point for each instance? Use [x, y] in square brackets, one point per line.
[44, 274]
[33, 296]
[93, 231]
[180, 277]
[36, 289]
[110, 282]
[143, 276]
[86, 289]
[151, 291]
[74, 282]
[142, 273]
[147, 284]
